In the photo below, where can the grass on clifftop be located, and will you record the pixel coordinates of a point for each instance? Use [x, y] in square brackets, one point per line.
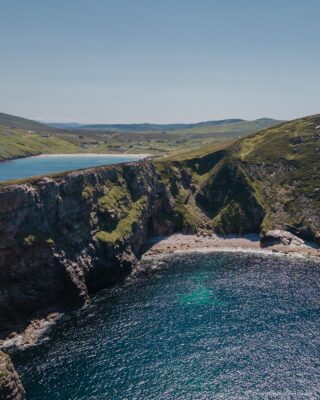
[289, 141]
[270, 179]
[196, 153]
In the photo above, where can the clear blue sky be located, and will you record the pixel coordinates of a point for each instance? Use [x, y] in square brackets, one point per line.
[159, 60]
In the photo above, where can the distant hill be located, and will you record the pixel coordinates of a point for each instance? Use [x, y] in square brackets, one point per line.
[143, 127]
[198, 127]
[12, 121]
[64, 125]
[21, 137]
[227, 130]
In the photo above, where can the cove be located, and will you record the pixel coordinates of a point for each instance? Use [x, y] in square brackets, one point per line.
[205, 326]
[46, 164]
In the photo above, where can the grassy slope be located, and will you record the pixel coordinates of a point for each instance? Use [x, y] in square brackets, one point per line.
[235, 129]
[12, 121]
[21, 144]
[296, 142]
[20, 137]
[197, 153]
[265, 181]
[294, 147]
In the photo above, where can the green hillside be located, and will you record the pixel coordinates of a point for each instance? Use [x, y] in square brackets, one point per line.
[14, 122]
[269, 180]
[22, 144]
[146, 127]
[20, 137]
[234, 129]
[219, 126]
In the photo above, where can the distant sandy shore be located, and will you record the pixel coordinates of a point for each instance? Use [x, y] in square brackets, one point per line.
[179, 243]
[117, 155]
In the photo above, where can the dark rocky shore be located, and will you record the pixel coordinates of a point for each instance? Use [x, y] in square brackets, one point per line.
[10, 384]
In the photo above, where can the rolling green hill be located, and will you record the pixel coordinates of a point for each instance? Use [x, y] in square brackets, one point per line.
[237, 128]
[20, 137]
[235, 125]
[14, 122]
[145, 127]
[268, 180]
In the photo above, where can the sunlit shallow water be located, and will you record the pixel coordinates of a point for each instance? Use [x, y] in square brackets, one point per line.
[222, 326]
[41, 165]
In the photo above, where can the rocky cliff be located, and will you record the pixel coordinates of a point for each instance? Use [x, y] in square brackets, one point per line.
[65, 236]
[62, 237]
[10, 385]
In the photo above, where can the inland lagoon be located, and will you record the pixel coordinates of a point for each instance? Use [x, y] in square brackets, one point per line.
[53, 163]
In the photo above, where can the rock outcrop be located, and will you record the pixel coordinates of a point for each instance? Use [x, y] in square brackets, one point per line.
[10, 384]
[278, 236]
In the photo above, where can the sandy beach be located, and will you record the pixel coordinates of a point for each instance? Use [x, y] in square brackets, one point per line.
[179, 243]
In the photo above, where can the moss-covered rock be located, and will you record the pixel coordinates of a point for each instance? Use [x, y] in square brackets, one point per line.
[124, 226]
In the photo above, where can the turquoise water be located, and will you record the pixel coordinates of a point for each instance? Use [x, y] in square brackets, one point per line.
[227, 326]
[40, 165]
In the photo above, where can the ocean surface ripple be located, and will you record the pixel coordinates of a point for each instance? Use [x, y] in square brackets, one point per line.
[221, 326]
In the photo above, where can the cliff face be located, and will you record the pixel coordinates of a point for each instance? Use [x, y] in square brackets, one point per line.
[10, 385]
[66, 236]
[63, 237]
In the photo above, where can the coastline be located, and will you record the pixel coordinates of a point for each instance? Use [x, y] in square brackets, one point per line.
[179, 243]
[157, 249]
[117, 155]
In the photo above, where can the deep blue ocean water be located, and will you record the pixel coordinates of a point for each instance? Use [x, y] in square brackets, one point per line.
[40, 165]
[222, 326]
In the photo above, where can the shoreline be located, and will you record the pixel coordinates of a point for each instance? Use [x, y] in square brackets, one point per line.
[179, 244]
[117, 155]
[139, 157]
[157, 249]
